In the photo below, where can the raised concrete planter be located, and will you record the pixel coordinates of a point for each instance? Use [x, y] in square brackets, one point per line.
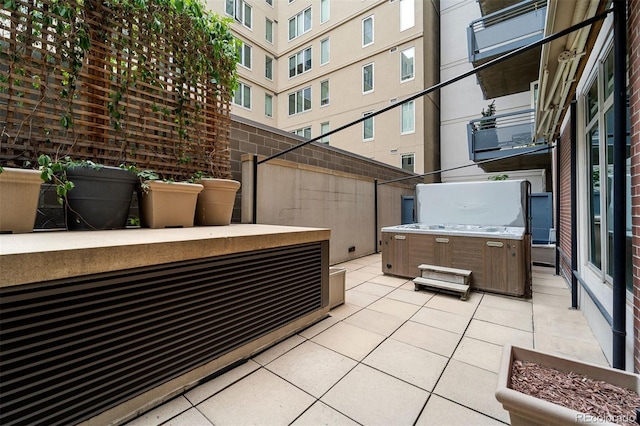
[199, 299]
[525, 410]
[336, 286]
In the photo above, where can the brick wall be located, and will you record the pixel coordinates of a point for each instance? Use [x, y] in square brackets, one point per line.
[563, 234]
[633, 41]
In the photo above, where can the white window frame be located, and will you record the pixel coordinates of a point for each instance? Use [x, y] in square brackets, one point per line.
[328, 97]
[242, 89]
[243, 55]
[299, 23]
[364, 44]
[268, 59]
[407, 14]
[268, 36]
[364, 128]
[304, 132]
[300, 62]
[240, 12]
[372, 78]
[411, 156]
[299, 97]
[534, 90]
[326, 42]
[324, 128]
[413, 65]
[413, 118]
[323, 4]
[268, 101]
[269, 2]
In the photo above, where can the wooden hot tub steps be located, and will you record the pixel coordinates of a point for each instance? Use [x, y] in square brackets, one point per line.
[443, 273]
[443, 278]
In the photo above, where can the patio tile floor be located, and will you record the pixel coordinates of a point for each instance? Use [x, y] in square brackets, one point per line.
[389, 356]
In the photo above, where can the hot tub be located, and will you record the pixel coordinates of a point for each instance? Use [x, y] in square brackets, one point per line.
[496, 248]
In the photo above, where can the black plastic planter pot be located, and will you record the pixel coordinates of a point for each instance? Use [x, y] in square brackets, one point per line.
[100, 199]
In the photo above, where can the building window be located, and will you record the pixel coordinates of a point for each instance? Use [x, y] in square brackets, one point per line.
[367, 31]
[268, 67]
[367, 127]
[324, 92]
[268, 105]
[300, 62]
[367, 78]
[305, 132]
[598, 111]
[268, 35]
[408, 117]
[300, 24]
[269, 2]
[242, 96]
[407, 64]
[245, 55]
[324, 51]
[408, 161]
[240, 11]
[324, 128]
[324, 11]
[300, 101]
[407, 14]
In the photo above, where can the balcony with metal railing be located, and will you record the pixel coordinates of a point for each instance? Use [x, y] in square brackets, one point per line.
[501, 32]
[500, 138]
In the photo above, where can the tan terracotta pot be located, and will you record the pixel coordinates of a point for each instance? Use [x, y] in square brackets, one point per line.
[215, 202]
[19, 193]
[169, 204]
[526, 410]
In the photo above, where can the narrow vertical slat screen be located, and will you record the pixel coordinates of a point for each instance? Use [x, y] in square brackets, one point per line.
[122, 105]
[74, 348]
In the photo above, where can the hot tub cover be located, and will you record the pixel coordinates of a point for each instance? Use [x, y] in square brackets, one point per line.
[490, 203]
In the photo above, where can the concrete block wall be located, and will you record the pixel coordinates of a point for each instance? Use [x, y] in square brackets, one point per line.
[249, 137]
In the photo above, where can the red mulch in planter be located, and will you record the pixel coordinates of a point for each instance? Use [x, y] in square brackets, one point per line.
[577, 392]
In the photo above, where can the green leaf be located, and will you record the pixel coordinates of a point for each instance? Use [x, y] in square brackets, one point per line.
[65, 121]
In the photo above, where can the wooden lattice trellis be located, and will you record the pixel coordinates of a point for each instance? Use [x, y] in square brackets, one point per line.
[132, 101]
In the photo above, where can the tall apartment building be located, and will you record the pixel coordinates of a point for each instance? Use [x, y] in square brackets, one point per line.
[558, 107]
[470, 38]
[310, 66]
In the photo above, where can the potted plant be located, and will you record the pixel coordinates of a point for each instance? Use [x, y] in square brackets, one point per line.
[165, 203]
[526, 409]
[485, 134]
[216, 201]
[93, 196]
[19, 193]
[115, 83]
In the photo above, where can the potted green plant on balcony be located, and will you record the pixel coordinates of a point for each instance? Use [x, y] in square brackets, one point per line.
[485, 133]
[598, 384]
